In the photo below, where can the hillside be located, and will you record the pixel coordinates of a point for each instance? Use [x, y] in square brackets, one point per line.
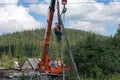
[95, 55]
[30, 43]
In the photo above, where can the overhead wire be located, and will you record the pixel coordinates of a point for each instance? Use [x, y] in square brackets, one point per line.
[24, 3]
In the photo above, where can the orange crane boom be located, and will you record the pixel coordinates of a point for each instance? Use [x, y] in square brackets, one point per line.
[46, 64]
[45, 60]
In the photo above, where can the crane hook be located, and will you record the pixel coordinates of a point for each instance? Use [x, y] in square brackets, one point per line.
[64, 10]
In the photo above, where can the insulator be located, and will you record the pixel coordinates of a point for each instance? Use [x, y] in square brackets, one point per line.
[64, 2]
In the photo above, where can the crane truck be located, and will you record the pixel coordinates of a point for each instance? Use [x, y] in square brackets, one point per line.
[46, 64]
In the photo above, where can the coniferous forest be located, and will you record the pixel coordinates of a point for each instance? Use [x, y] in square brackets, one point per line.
[96, 56]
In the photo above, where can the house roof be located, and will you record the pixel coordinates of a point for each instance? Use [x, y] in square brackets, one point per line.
[30, 63]
[2, 68]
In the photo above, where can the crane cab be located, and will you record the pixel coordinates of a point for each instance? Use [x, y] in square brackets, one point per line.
[55, 66]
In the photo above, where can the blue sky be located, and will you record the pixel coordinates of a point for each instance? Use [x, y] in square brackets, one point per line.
[99, 16]
[104, 1]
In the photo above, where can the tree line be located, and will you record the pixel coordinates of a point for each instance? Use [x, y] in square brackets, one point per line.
[95, 55]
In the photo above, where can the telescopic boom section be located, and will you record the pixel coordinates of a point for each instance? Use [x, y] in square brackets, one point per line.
[44, 63]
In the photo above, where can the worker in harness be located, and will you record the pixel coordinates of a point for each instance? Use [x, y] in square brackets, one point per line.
[58, 32]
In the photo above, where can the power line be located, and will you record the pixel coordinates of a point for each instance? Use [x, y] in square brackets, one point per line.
[61, 3]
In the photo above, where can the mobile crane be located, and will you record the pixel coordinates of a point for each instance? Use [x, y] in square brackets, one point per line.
[52, 66]
[46, 64]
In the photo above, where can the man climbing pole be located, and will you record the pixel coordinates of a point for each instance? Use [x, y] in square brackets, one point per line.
[58, 32]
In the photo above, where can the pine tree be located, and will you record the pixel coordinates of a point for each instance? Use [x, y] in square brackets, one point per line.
[9, 53]
[19, 50]
[117, 37]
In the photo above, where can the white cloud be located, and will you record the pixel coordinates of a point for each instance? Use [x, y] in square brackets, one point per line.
[116, 0]
[87, 26]
[8, 1]
[16, 18]
[41, 9]
[95, 17]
